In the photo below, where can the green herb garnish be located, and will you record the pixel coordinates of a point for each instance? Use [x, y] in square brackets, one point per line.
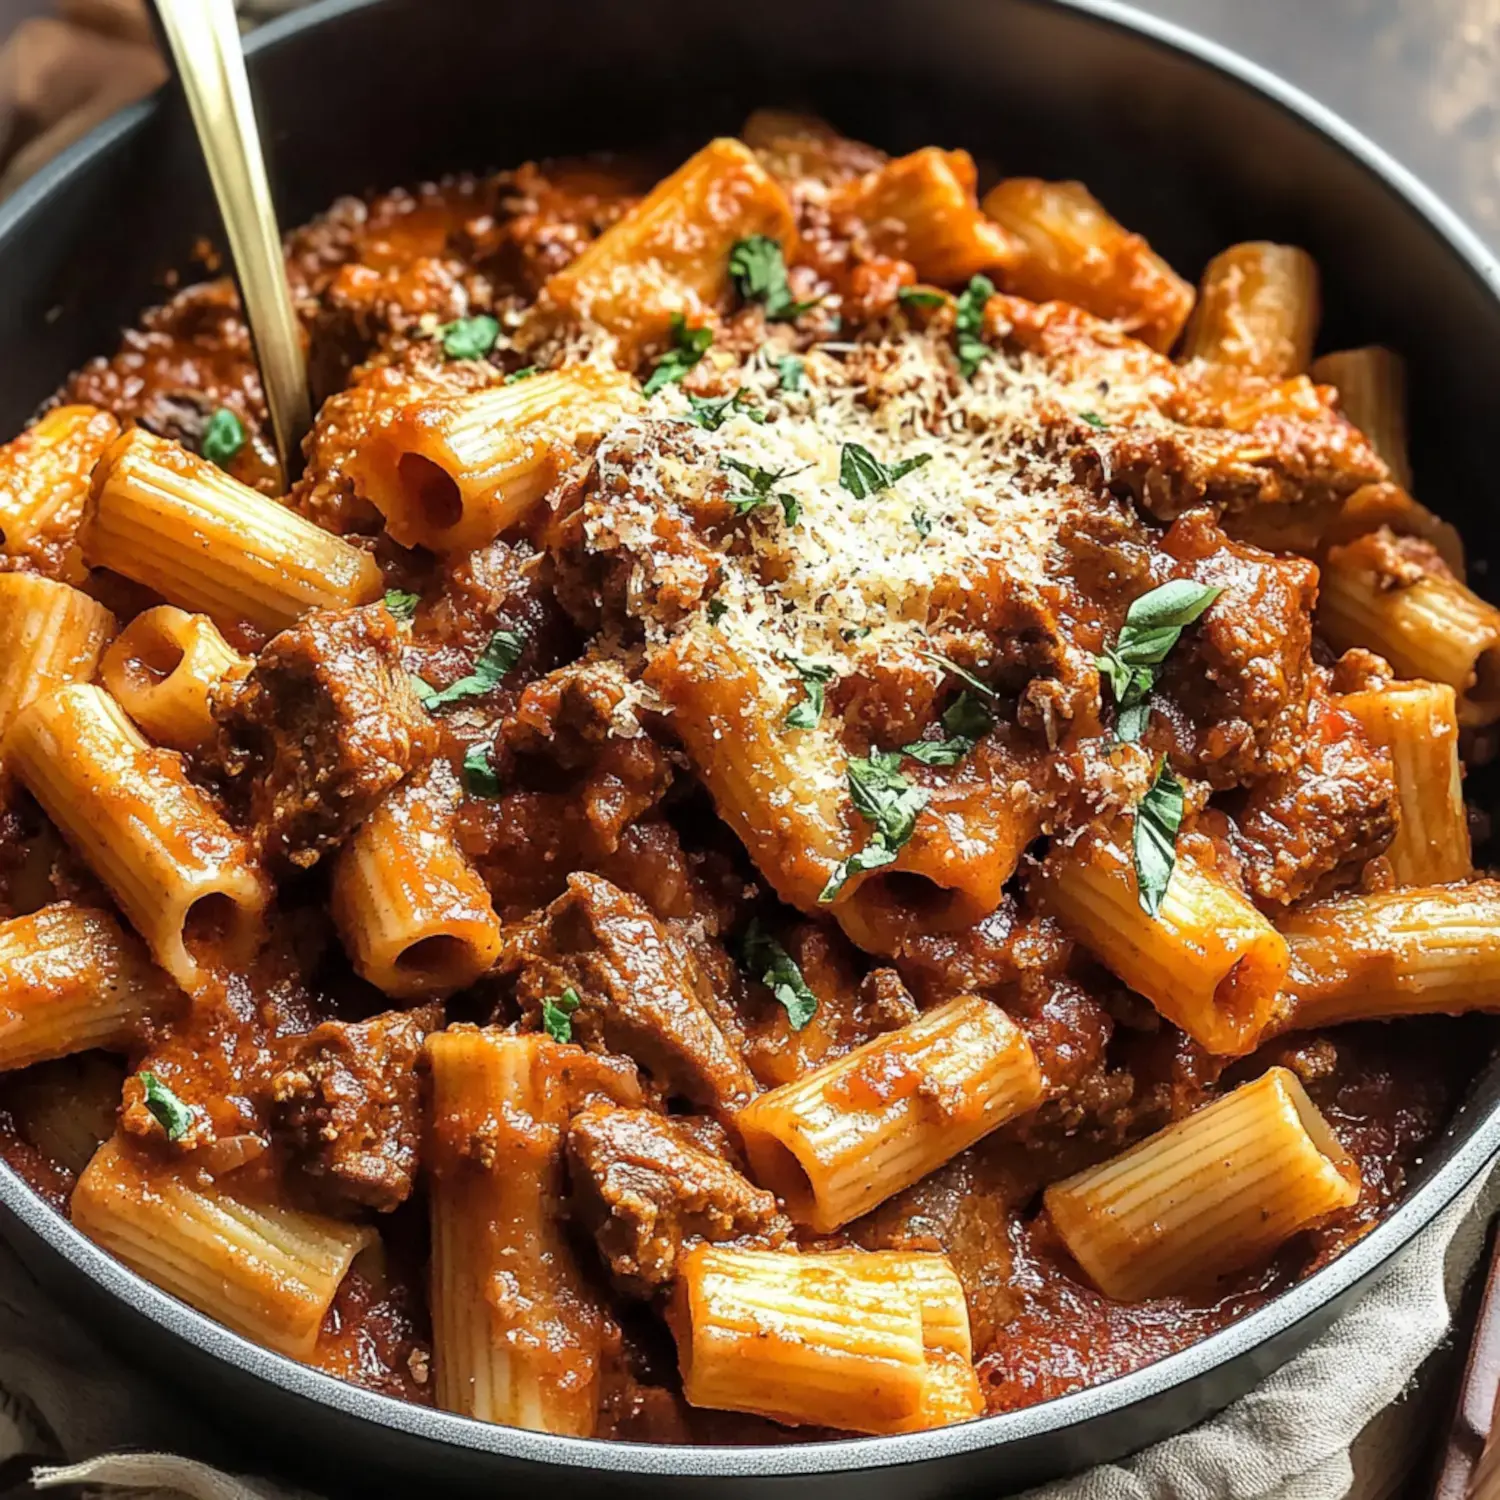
[885, 798]
[688, 346]
[717, 609]
[174, 1117]
[863, 475]
[480, 775]
[920, 296]
[923, 523]
[497, 658]
[524, 373]
[762, 489]
[970, 349]
[223, 437]
[1158, 816]
[966, 720]
[1094, 420]
[557, 1015]
[770, 963]
[469, 338]
[790, 367]
[1153, 625]
[962, 673]
[758, 269]
[712, 414]
[402, 604]
[815, 675]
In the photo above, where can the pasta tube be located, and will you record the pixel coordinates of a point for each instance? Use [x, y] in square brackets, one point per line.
[852, 1133]
[163, 670]
[202, 540]
[832, 1340]
[1076, 252]
[1371, 383]
[180, 874]
[670, 253]
[44, 481]
[1206, 1197]
[70, 979]
[1208, 960]
[452, 472]
[50, 635]
[517, 1334]
[1395, 953]
[1418, 723]
[1257, 311]
[414, 916]
[266, 1271]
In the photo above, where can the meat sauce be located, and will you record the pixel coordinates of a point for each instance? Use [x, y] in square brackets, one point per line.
[613, 876]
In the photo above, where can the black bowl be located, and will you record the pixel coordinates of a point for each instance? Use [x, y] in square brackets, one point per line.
[1190, 145]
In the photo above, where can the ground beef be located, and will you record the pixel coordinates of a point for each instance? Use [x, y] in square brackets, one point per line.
[648, 1185]
[349, 1104]
[323, 726]
[640, 991]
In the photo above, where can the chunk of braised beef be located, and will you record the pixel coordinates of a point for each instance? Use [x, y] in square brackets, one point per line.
[1304, 829]
[323, 726]
[648, 1185]
[641, 992]
[349, 1103]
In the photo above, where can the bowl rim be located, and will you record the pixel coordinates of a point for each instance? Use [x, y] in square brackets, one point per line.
[1471, 1143]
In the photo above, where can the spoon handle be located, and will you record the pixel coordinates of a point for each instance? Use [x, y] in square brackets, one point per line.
[205, 44]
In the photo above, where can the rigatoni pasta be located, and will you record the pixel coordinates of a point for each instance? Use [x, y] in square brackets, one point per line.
[44, 481]
[1257, 311]
[184, 879]
[50, 635]
[1207, 1196]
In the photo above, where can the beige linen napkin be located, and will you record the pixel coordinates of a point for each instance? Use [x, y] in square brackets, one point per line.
[1318, 1429]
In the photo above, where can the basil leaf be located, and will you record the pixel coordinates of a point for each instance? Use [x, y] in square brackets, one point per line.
[469, 338]
[970, 349]
[223, 437]
[1153, 625]
[497, 658]
[966, 719]
[688, 346]
[711, 415]
[762, 489]
[758, 270]
[717, 609]
[886, 799]
[525, 373]
[174, 1117]
[923, 522]
[962, 673]
[1158, 816]
[557, 1015]
[1094, 420]
[863, 475]
[814, 674]
[921, 296]
[770, 963]
[480, 775]
[939, 752]
[790, 368]
[402, 604]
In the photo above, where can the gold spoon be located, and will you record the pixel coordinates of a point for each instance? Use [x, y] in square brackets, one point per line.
[205, 43]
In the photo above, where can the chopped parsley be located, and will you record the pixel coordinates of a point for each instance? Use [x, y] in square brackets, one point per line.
[1153, 625]
[886, 799]
[480, 776]
[717, 609]
[758, 270]
[174, 1117]
[688, 346]
[402, 603]
[223, 437]
[770, 963]
[557, 1015]
[815, 676]
[1158, 816]
[762, 489]
[923, 523]
[921, 296]
[863, 475]
[469, 338]
[712, 414]
[790, 367]
[965, 720]
[970, 349]
[1094, 420]
[524, 373]
[502, 653]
